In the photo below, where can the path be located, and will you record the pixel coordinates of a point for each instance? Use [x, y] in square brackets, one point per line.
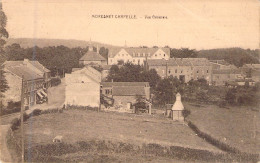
[4, 155]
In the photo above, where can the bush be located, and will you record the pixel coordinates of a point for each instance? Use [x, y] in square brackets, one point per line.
[55, 81]
[36, 112]
[5, 111]
[185, 113]
[15, 123]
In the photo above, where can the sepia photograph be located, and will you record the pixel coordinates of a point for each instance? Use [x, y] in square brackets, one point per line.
[112, 81]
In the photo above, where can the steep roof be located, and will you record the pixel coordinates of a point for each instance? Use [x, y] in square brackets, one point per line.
[92, 56]
[90, 72]
[127, 84]
[132, 51]
[24, 71]
[128, 91]
[35, 64]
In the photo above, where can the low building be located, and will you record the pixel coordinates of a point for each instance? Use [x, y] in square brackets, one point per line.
[35, 66]
[83, 87]
[34, 80]
[221, 64]
[92, 58]
[136, 56]
[125, 94]
[184, 69]
[223, 76]
[251, 71]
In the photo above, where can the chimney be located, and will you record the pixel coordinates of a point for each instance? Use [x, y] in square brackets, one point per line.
[97, 49]
[25, 60]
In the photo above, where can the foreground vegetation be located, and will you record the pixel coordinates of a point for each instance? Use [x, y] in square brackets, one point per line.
[234, 126]
[114, 137]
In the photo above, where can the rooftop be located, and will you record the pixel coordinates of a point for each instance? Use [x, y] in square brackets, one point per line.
[132, 51]
[127, 84]
[179, 62]
[92, 56]
[128, 91]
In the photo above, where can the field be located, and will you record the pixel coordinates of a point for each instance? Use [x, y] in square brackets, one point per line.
[236, 126]
[86, 126]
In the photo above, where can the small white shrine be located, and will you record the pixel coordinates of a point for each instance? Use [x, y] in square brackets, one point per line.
[177, 109]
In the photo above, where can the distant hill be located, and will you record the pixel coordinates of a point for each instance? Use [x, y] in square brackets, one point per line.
[30, 42]
[236, 56]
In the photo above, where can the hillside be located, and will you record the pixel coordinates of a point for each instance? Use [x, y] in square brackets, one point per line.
[236, 56]
[30, 42]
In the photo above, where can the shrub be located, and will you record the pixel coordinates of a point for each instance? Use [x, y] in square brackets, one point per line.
[5, 111]
[36, 112]
[15, 123]
[185, 113]
[55, 81]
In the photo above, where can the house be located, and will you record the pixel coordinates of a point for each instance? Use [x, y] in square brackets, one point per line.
[125, 94]
[224, 76]
[251, 71]
[185, 69]
[34, 77]
[92, 57]
[83, 87]
[136, 56]
[36, 66]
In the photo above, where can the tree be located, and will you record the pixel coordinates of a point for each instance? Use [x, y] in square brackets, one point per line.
[166, 90]
[183, 53]
[3, 32]
[3, 35]
[103, 52]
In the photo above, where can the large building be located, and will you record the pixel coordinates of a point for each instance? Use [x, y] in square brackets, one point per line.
[222, 77]
[136, 56]
[184, 69]
[36, 80]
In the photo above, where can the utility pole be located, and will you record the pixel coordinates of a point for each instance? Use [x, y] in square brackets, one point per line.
[22, 111]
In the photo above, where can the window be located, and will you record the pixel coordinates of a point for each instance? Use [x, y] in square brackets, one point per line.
[197, 71]
[169, 71]
[207, 71]
[163, 54]
[181, 71]
[107, 91]
[155, 55]
[175, 70]
[141, 55]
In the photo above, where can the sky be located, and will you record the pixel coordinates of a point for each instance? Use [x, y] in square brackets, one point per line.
[197, 24]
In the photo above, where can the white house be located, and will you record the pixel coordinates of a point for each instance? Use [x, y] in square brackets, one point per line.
[83, 87]
[136, 55]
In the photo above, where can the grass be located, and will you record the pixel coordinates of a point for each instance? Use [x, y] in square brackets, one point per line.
[79, 125]
[236, 126]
